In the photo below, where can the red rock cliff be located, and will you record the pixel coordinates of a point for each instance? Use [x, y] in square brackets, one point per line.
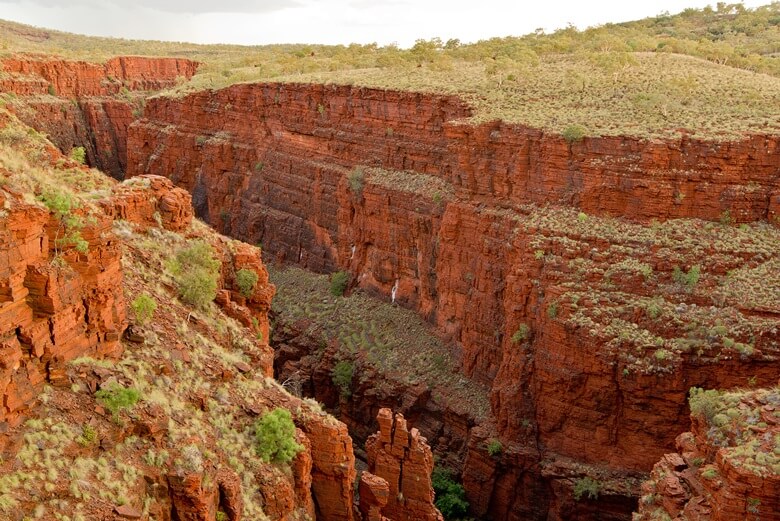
[52, 312]
[86, 104]
[555, 310]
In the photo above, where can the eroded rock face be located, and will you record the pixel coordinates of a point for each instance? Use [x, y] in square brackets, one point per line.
[88, 104]
[52, 312]
[402, 459]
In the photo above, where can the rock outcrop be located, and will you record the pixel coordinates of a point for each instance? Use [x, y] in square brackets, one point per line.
[57, 303]
[398, 480]
[91, 105]
[727, 467]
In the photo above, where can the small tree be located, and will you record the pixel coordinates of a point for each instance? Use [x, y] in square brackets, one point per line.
[450, 495]
[573, 133]
[275, 437]
[356, 178]
[586, 485]
[246, 280]
[117, 398]
[494, 448]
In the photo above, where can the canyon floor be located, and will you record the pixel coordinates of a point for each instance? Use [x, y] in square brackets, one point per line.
[540, 275]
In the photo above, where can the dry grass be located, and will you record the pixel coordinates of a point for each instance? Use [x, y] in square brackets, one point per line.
[710, 72]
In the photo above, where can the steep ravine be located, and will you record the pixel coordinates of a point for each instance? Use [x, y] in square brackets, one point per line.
[553, 310]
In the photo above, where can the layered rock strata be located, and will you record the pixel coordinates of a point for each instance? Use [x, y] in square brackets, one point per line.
[555, 309]
[86, 104]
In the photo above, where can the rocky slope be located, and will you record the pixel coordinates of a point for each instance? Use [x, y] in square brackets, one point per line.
[589, 330]
[727, 467]
[86, 104]
[152, 421]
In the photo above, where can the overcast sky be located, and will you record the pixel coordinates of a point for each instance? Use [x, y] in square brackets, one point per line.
[327, 21]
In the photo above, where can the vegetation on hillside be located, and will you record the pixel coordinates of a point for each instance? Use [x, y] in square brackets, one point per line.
[713, 71]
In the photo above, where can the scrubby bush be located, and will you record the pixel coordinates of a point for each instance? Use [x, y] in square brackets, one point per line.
[586, 485]
[573, 133]
[275, 437]
[342, 377]
[196, 271]
[704, 403]
[117, 398]
[79, 155]
[246, 280]
[355, 179]
[689, 279]
[450, 495]
[495, 448]
[68, 233]
[521, 334]
[338, 283]
[143, 307]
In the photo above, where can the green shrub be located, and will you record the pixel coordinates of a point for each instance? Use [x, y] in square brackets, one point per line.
[196, 271]
[522, 333]
[573, 133]
[275, 437]
[338, 283]
[710, 473]
[117, 398]
[552, 310]
[355, 179]
[79, 155]
[586, 485]
[450, 496]
[582, 217]
[88, 436]
[495, 448]
[689, 279]
[342, 377]
[653, 309]
[143, 307]
[51, 90]
[246, 280]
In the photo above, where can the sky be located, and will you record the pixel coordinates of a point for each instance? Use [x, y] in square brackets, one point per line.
[401, 22]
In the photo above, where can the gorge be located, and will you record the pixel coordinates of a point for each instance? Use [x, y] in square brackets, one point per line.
[570, 291]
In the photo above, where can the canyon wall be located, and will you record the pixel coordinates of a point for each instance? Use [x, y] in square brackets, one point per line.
[86, 104]
[552, 308]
